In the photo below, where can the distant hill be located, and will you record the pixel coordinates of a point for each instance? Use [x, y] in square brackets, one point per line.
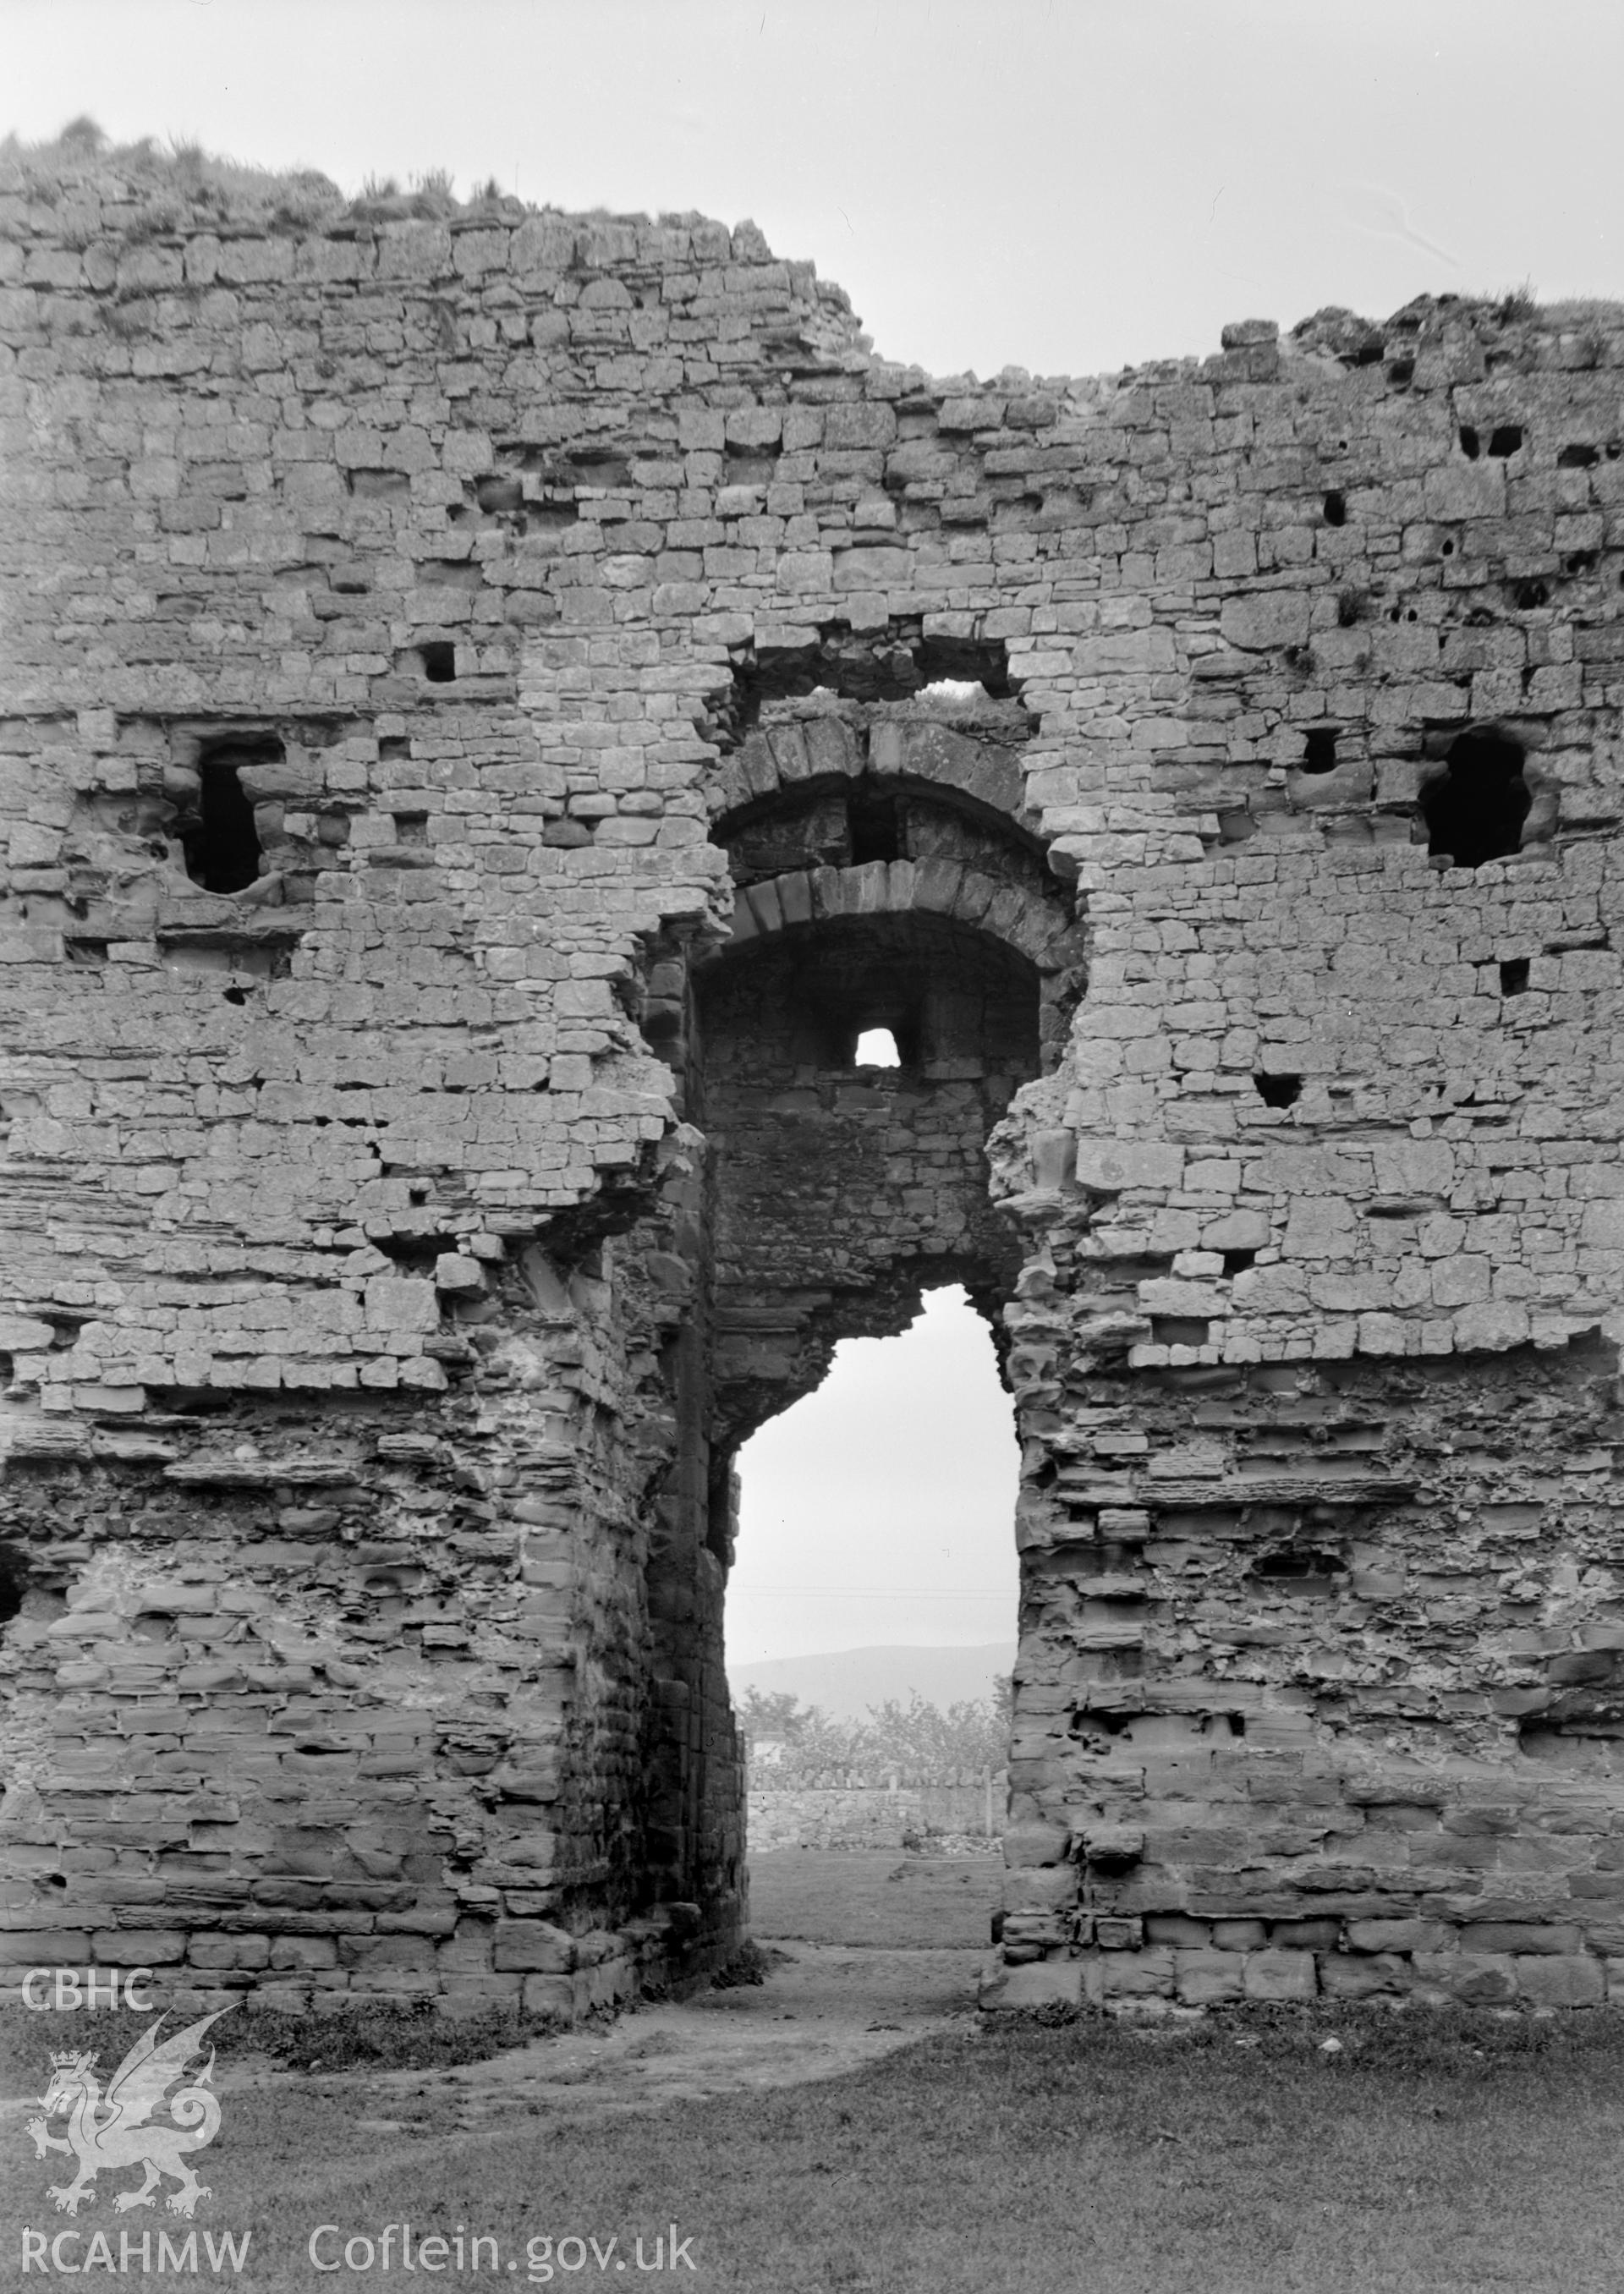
[846, 1681]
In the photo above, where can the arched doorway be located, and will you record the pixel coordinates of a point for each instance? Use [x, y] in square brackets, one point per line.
[884, 883]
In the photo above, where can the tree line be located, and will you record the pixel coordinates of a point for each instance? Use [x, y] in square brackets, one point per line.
[793, 1745]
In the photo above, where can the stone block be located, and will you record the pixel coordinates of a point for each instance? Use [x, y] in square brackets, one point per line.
[137, 1947]
[1474, 1977]
[1490, 1327]
[1574, 1981]
[1239, 1935]
[1040, 1888]
[1035, 1844]
[288, 1952]
[1263, 621]
[1363, 1975]
[369, 1954]
[532, 1947]
[228, 1951]
[476, 1994]
[1400, 1935]
[1042, 1983]
[1280, 1975]
[1236, 1230]
[1556, 1941]
[1113, 1847]
[1177, 1929]
[1602, 1222]
[1111, 1166]
[551, 1995]
[1146, 1974]
[63, 1947]
[1305, 1935]
[1466, 490]
[1125, 653]
[1208, 1979]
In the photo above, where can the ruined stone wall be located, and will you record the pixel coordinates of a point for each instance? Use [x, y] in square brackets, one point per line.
[441, 651]
[842, 1188]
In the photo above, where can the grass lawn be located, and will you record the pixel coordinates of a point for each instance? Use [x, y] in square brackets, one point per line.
[1457, 2154]
[1470, 2157]
[875, 1896]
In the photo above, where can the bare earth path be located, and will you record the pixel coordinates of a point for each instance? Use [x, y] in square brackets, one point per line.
[870, 1950]
[825, 2009]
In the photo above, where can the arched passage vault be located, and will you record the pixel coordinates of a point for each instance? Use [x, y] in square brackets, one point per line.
[883, 878]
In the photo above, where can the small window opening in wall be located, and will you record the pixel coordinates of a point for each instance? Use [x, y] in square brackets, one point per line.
[222, 849]
[1295, 1571]
[411, 827]
[1514, 976]
[1578, 458]
[875, 827]
[1236, 1262]
[1475, 807]
[953, 692]
[1505, 440]
[877, 1048]
[1470, 445]
[1336, 509]
[1319, 750]
[1279, 1090]
[439, 661]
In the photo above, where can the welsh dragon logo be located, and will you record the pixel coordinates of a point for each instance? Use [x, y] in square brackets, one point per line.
[111, 2130]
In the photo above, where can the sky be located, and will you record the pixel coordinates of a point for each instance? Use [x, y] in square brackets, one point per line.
[1065, 186]
[880, 1510]
[1062, 186]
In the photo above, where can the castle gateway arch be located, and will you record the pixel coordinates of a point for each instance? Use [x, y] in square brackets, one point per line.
[494, 703]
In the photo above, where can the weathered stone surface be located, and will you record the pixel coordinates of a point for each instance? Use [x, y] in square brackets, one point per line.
[468, 779]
